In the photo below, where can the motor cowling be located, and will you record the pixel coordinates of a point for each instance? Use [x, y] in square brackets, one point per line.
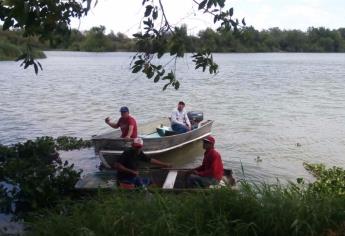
[195, 117]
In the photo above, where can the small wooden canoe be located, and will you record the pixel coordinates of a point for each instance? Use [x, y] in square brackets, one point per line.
[109, 146]
[162, 179]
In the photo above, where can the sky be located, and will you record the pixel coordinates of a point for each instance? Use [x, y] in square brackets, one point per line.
[125, 15]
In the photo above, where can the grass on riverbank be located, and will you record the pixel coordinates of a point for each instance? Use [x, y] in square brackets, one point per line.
[253, 210]
[10, 52]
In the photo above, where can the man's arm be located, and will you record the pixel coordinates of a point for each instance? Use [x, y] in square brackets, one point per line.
[160, 163]
[130, 131]
[119, 167]
[187, 121]
[111, 124]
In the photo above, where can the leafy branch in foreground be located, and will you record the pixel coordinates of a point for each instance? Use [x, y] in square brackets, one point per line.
[42, 18]
[159, 37]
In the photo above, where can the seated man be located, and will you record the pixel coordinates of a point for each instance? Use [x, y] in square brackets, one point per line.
[211, 170]
[127, 165]
[179, 120]
[126, 123]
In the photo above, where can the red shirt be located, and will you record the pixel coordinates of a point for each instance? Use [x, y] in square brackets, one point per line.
[124, 124]
[212, 165]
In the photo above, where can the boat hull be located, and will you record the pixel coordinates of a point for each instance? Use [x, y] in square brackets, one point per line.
[109, 147]
[162, 179]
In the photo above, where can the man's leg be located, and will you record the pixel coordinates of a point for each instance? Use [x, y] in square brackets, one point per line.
[179, 128]
[195, 181]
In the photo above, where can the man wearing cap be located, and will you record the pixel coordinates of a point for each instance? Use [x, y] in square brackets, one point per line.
[179, 120]
[126, 123]
[127, 165]
[211, 170]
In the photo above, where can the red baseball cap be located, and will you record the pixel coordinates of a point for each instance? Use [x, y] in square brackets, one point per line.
[138, 143]
[209, 139]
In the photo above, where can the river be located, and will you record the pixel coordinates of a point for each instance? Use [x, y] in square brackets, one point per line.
[285, 108]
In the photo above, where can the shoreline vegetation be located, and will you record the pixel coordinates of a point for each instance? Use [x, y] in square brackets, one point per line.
[44, 198]
[13, 44]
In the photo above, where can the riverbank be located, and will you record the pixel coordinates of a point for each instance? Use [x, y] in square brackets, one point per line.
[10, 52]
[295, 209]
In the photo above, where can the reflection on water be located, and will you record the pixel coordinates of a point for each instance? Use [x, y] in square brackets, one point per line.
[262, 104]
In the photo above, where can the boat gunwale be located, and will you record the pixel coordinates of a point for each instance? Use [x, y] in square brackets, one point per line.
[206, 123]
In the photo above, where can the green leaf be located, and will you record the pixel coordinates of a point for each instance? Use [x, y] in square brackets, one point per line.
[7, 24]
[36, 68]
[177, 84]
[231, 11]
[202, 4]
[148, 10]
[209, 4]
[156, 79]
[165, 86]
[136, 69]
[155, 14]
[139, 62]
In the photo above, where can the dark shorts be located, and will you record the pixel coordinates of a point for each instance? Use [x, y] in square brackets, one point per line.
[195, 181]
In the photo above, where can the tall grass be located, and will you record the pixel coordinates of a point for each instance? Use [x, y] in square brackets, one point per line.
[252, 210]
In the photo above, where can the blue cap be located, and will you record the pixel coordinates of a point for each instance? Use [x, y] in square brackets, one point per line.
[124, 109]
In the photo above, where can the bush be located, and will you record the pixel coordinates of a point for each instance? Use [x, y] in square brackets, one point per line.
[37, 176]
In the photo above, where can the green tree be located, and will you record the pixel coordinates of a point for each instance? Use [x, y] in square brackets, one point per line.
[46, 18]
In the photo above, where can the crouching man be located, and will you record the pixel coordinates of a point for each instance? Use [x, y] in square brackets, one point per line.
[127, 165]
[211, 171]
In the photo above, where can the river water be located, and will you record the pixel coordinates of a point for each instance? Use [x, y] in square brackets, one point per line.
[262, 104]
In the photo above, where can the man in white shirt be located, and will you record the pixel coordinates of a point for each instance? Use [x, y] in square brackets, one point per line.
[179, 119]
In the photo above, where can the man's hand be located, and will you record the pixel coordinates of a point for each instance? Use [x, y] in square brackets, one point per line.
[135, 172]
[107, 120]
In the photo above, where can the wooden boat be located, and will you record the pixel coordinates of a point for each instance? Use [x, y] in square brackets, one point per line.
[162, 179]
[109, 146]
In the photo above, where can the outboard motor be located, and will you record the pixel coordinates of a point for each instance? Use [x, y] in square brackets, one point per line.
[195, 117]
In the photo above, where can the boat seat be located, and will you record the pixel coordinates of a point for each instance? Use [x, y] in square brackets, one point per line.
[170, 180]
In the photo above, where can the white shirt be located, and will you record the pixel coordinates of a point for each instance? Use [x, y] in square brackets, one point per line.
[180, 117]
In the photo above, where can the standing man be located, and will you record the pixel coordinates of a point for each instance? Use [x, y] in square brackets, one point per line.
[126, 123]
[179, 120]
[127, 165]
[211, 170]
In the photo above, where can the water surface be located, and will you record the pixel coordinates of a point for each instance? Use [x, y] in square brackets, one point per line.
[262, 104]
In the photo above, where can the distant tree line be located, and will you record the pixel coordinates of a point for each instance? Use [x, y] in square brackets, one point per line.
[247, 39]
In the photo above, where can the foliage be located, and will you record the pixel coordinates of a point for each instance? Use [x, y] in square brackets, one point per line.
[11, 46]
[252, 210]
[329, 181]
[51, 20]
[41, 18]
[32, 175]
[70, 143]
[158, 37]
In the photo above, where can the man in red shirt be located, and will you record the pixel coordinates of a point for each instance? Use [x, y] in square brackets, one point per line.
[126, 123]
[211, 170]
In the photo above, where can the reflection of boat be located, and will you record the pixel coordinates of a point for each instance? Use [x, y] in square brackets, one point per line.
[157, 136]
[162, 179]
